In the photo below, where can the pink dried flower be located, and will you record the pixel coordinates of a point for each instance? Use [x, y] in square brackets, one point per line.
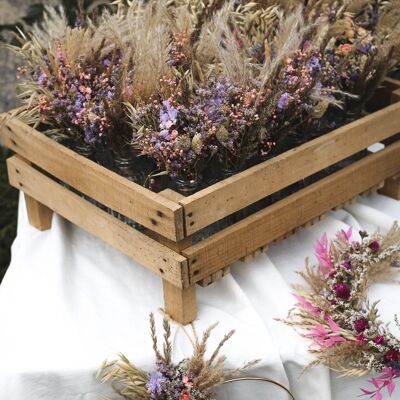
[323, 337]
[188, 383]
[323, 254]
[306, 305]
[346, 235]
[386, 380]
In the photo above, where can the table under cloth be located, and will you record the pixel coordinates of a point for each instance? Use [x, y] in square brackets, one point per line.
[69, 301]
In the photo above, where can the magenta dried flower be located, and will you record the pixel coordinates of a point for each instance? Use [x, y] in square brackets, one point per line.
[379, 339]
[374, 246]
[346, 264]
[360, 325]
[342, 291]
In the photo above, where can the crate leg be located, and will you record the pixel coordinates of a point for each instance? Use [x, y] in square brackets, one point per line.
[391, 187]
[39, 215]
[180, 304]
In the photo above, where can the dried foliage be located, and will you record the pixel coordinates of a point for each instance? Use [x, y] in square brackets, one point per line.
[194, 378]
[185, 82]
[334, 310]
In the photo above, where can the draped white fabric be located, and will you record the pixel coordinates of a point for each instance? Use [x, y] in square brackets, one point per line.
[69, 301]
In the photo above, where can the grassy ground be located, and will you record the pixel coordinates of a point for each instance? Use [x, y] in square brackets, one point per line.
[8, 214]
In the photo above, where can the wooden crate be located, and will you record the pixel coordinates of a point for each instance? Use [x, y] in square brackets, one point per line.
[45, 171]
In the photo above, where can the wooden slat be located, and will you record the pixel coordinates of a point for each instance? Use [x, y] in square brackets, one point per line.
[134, 201]
[222, 199]
[146, 251]
[257, 230]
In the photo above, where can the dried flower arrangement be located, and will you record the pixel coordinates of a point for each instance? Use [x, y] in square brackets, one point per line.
[334, 310]
[201, 89]
[192, 378]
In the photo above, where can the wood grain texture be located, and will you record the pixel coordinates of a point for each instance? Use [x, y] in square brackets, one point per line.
[261, 228]
[247, 187]
[39, 216]
[179, 303]
[161, 260]
[134, 201]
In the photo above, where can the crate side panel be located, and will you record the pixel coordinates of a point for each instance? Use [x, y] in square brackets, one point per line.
[146, 251]
[251, 185]
[259, 229]
[134, 201]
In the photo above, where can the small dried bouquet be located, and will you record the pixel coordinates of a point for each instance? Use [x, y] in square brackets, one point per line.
[193, 378]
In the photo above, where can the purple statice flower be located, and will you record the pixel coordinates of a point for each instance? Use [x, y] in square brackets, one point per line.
[318, 85]
[156, 383]
[168, 115]
[314, 64]
[42, 78]
[164, 133]
[365, 48]
[110, 94]
[106, 62]
[284, 101]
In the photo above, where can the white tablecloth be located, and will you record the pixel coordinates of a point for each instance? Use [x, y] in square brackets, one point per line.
[68, 301]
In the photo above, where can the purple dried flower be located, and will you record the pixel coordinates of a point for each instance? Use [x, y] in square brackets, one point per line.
[284, 101]
[42, 78]
[314, 64]
[168, 113]
[156, 383]
[364, 48]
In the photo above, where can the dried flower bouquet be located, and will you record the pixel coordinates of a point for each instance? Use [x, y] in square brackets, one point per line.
[194, 378]
[335, 313]
[188, 92]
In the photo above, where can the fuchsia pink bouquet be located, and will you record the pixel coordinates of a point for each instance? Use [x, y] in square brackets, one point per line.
[334, 311]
